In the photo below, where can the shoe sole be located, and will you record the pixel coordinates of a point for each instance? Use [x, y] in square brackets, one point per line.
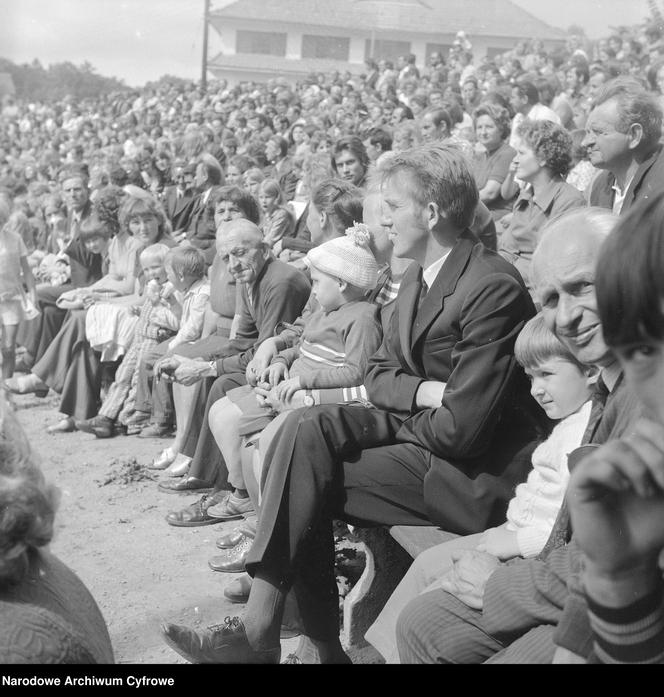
[235, 516]
[239, 570]
[237, 599]
[192, 524]
[206, 490]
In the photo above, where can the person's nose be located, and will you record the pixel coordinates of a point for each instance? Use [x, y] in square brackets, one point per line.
[587, 140]
[536, 388]
[568, 312]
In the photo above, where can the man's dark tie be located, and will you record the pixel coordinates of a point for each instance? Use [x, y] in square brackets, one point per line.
[423, 293]
[562, 531]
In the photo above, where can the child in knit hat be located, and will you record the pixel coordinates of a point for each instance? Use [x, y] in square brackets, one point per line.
[334, 349]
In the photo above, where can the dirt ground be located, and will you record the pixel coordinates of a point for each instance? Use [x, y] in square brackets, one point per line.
[110, 530]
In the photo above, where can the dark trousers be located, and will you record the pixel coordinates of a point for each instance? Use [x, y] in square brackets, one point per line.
[207, 461]
[343, 462]
[38, 334]
[71, 367]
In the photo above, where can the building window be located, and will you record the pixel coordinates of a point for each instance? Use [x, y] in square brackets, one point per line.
[265, 42]
[443, 49]
[386, 50]
[334, 47]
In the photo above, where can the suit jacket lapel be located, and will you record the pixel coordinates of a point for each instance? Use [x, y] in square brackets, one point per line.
[444, 285]
[638, 178]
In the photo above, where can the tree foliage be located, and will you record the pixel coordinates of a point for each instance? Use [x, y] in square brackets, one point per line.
[36, 83]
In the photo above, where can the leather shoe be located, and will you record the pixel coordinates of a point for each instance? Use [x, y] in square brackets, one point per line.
[233, 538]
[233, 561]
[238, 590]
[165, 458]
[28, 384]
[186, 484]
[193, 515]
[221, 643]
[156, 431]
[232, 508]
[100, 426]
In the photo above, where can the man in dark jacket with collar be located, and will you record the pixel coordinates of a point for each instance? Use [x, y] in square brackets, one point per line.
[622, 136]
[446, 441]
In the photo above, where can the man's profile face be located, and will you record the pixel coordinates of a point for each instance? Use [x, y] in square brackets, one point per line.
[75, 193]
[606, 146]
[404, 217]
[564, 279]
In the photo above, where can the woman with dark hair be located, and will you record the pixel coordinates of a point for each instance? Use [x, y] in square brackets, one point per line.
[543, 159]
[47, 614]
[491, 166]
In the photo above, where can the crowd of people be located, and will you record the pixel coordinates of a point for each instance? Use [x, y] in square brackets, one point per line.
[402, 298]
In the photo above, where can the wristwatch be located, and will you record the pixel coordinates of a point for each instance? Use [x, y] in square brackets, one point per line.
[309, 400]
[213, 366]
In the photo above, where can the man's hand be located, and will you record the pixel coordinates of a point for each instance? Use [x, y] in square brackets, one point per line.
[258, 366]
[467, 579]
[166, 366]
[499, 542]
[190, 372]
[616, 503]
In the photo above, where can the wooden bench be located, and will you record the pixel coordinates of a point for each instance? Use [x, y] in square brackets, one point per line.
[389, 552]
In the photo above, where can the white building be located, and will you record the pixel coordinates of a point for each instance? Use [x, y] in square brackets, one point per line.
[261, 39]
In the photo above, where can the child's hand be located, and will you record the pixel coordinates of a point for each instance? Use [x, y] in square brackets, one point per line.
[285, 389]
[500, 542]
[276, 373]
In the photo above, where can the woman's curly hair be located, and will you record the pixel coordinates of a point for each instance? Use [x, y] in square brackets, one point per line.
[551, 144]
[27, 502]
[498, 114]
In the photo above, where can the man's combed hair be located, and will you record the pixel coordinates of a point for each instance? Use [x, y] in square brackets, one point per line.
[630, 276]
[635, 106]
[536, 344]
[441, 175]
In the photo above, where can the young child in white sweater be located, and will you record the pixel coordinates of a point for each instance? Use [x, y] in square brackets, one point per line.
[562, 387]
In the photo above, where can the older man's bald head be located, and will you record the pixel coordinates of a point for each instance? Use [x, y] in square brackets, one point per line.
[563, 273]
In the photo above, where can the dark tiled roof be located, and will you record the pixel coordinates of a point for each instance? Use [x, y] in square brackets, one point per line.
[475, 17]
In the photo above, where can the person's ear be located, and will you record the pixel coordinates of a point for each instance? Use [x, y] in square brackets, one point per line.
[323, 219]
[635, 135]
[434, 215]
[592, 375]
[342, 285]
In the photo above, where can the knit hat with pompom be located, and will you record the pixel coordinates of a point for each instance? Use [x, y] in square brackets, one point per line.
[348, 258]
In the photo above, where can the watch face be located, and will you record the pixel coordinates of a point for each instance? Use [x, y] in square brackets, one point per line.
[308, 401]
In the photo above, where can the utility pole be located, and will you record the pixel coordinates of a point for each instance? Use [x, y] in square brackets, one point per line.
[206, 21]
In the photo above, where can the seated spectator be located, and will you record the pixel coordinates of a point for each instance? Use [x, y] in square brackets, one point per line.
[48, 616]
[616, 494]
[158, 319]
[350, 160]
[277, 219]
[562, 387]
[336, 343]
[252, 180]
[492, 161]
[341, 457]
[542, 161]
